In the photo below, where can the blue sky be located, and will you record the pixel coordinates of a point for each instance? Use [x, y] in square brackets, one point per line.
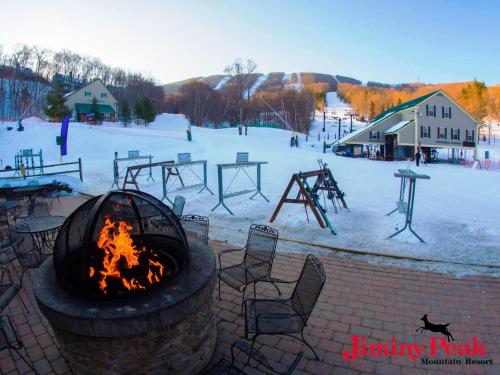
[387, 41]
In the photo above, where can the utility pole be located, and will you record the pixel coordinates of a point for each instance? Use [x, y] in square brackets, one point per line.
[351, 114]
[339, 127]
[324, 120]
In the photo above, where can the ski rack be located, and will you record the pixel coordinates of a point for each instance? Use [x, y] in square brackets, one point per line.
[309, 196]
[240, 164]
[172, 169]
[133, 155]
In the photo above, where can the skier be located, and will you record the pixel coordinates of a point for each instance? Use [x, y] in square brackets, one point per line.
[418, 155]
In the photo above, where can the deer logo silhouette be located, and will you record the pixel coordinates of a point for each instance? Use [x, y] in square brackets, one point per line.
[439, 328]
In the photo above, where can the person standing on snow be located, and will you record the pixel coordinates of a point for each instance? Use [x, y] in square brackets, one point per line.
[418, 156]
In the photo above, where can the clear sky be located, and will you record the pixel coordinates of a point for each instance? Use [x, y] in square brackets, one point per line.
[382, 40]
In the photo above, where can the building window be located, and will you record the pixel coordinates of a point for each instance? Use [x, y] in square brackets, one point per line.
[88, 94]
[469, 135]
[446, 112]
[455, 134]
[442, 133]
[425, 132]
[430, 110]
[104, 95]
[374, 136]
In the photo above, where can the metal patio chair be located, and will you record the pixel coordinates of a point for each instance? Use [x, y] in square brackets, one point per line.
[227, 367]
[257, 261]
[196, 225]
[9, 340]
[28, 254]
[178, 206]
[287, 316]
[41, 208]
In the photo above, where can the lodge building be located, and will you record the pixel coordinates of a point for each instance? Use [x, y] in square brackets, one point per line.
[429, 122]
[80, 102]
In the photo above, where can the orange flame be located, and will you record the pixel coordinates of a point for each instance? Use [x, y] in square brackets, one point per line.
[117, 244]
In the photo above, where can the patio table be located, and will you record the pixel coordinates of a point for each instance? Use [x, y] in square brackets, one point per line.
[7, 205]
[43, 230]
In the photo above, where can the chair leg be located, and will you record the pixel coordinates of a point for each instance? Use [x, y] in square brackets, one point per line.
[23, 358]
[243, 299]
[309, 345]
[219, 286]
[276, 286]
[23, 303]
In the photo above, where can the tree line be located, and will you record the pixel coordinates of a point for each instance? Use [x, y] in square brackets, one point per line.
[36, 64]
[482, 102]
[233, 104]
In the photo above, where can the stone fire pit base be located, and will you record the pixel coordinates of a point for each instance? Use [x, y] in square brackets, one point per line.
[180, 349]
[170, 330]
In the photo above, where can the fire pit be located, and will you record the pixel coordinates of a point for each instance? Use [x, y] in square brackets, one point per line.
[125, 296]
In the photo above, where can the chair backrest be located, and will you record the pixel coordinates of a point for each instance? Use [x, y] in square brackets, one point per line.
[41, 209]
[308, 287]
[261, 246]
[178, 206]
[196, 224]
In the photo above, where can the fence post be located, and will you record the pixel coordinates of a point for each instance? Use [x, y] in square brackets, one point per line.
[80, 168]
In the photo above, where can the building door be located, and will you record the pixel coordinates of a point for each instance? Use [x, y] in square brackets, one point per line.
[390, 139]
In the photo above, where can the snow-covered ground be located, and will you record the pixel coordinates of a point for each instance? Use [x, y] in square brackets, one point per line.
[457, 211]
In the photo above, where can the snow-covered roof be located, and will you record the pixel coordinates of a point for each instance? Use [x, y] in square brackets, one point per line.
[397, 127]
[348, 137]
[68, 94]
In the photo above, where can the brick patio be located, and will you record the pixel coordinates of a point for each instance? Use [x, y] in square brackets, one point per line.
[359, 298]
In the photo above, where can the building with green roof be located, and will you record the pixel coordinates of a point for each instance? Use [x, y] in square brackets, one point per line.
[425, 123]
[80, 102]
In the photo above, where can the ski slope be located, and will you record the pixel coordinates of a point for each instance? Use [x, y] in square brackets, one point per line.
[457, 211]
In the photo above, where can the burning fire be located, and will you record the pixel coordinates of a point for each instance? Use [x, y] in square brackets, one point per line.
[120, 252]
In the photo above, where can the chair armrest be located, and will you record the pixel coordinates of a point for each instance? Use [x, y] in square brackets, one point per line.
[222, 252]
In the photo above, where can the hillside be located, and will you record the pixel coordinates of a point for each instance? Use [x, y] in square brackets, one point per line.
[269, 82]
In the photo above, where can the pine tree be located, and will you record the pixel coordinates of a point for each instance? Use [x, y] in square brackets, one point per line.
[139, 110]
[56, 108]
[148, 110]
[95, 110]
[125, 114]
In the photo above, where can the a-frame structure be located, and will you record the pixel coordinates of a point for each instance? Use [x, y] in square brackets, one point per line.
[308, 196]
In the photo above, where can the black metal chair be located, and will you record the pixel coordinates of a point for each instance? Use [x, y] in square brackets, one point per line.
[28, 255]
[41, 208]
[196, 225]
[227, 367]
[257, 261]
[178, 206]
[287, 316]
[9, 340]
[23, 210]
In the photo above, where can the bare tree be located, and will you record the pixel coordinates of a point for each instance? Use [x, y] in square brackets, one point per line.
[40, 60]
[240, 79]
[21, 56]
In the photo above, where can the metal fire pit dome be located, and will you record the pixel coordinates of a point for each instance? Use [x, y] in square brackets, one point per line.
[88, 252]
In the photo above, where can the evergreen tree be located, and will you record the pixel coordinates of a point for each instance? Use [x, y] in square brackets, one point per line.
[147, 110]
[95, 110]
[372, 110]
[139, 110]
[125, 114]
[56, 109]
